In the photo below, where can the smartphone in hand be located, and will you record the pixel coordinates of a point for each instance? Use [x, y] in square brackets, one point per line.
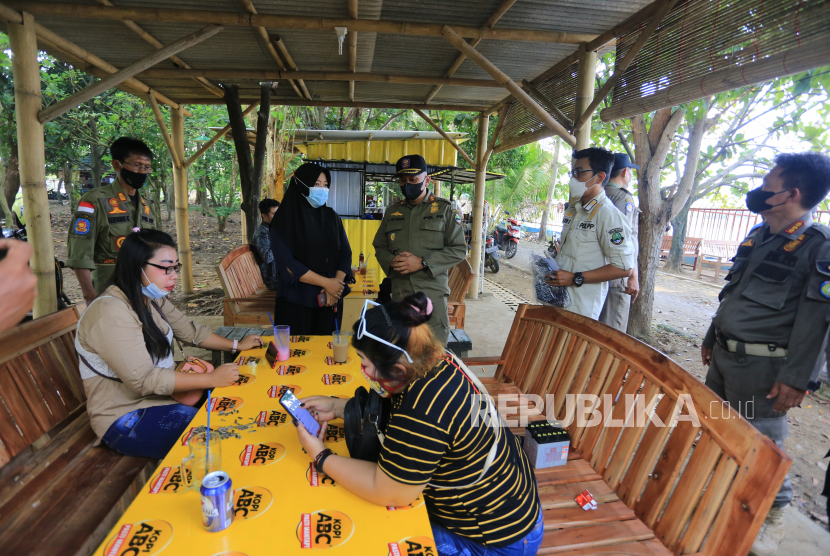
[292, 405]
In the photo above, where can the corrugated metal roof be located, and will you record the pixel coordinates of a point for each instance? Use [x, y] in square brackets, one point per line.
[429, 56]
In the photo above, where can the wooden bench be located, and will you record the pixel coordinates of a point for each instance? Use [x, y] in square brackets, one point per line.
[247, 300]
[459, 280]
[684, 490]
[58, 493]
[691, 248]
[714, 254]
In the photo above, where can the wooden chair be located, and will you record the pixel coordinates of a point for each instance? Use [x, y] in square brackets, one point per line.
[247, 300]
[714, 254]
[58, 493]
[460, 277]
[696, 488]
[691, 248]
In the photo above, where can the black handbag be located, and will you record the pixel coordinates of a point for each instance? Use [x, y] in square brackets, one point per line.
[364, 419]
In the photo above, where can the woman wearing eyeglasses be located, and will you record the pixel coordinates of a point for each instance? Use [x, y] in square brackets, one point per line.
[124, 345]
[477, 483]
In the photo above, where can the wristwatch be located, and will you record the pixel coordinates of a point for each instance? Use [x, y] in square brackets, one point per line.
[579, 279]
[424, 263]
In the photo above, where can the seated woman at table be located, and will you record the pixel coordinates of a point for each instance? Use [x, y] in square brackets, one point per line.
[124, 345]
[312, 253]
[432, 446]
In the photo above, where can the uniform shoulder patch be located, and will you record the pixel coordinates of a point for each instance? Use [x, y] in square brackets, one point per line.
[591, 204]
[629, 207]
[749, 242]
[119, 241]
[795, 227]
[616, 235]
[825, 289]
[791, 246]
[82, 226]
[121, 196]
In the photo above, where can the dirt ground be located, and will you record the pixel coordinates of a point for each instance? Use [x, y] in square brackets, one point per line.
[682, 312]
[683, 309]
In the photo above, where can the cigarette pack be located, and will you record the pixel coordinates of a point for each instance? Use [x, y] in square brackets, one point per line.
[546, 444]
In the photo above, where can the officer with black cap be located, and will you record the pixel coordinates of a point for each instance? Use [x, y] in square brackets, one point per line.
[419, 240]
[622, 292]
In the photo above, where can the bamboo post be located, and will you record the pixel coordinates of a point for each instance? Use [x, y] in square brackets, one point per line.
[449, 139]
[508, 84]
[352, 47]
[27, 100]
[585, 94]
[174, 154]
[476, 243]
[180, 186]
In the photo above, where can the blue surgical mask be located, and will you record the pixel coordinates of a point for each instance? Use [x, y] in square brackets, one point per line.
[317, 196]
[153, 291]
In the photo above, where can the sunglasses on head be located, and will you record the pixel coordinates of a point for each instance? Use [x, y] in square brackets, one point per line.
[361, 329]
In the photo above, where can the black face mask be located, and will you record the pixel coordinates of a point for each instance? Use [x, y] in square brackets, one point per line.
[756, 200]
[133, 179]
[412, 190]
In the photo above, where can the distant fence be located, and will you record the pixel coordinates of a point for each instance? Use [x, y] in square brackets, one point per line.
[730, 224]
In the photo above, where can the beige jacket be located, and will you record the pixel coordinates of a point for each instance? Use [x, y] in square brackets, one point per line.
[110, 330]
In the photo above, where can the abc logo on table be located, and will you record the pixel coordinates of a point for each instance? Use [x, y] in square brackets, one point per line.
[317, 479]
[147, 538]
[169, 480]
[412, 546]
[284, 370]
[225, 403]
[251, 501]
[324, 529]
[263, 453]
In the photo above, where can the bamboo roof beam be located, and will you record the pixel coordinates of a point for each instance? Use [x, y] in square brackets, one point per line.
[219, 134]
[508, 84]
[135, 28]
[449, 139]
[278, 21]
[70, 102]
[537, 94]
[497, 15]
[58, 43]
[280, 44]
[492, 144]
[352, 47]
[623, 64]
[174, 153]
[269, 75]
[262, 33]
[347, 104]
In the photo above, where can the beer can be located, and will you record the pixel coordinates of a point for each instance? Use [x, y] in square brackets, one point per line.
[217, 501]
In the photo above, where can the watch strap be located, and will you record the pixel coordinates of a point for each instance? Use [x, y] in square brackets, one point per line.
[235, 346]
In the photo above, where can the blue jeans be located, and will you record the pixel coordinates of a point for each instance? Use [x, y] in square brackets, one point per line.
[453, 544]
[149, 432]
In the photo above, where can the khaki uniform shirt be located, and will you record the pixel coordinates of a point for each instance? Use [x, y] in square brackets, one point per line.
[593, 236]
[430, 230]
[104, 217]
[110, 329]
[624, 201]
[779, 293]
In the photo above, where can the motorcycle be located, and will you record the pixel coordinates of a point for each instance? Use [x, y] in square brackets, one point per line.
[491, 255]
[507, 239]
[554, 246]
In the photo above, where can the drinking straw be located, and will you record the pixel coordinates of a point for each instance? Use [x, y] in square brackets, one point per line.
[277, 336]
[337, 330]
[207, 436]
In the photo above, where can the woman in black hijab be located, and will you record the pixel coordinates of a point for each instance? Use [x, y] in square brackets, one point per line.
[312, 253]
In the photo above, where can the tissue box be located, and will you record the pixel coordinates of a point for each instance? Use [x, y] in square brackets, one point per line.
[546, 444]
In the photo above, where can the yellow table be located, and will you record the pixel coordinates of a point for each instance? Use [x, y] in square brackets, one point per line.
[287, 504]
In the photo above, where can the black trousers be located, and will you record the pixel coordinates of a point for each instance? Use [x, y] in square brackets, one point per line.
[306, 321]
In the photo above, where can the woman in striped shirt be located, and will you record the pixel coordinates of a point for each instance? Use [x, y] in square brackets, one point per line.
[442, 441]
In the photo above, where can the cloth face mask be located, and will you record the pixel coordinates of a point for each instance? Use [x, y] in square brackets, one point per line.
[756, 200]
[317, 196]
[412, 190]
[153, 291]
[133, 179]
[374, 384]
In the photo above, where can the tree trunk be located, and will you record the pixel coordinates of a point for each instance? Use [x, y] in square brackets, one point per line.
[169, 197]
[675, 260]
[271, 155]
[203, 196]
[554, 172]
[69, 185]
[12, 180]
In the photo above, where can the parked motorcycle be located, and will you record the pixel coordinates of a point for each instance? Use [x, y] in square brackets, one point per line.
[491, 255]
[554, 246]
[507, 238]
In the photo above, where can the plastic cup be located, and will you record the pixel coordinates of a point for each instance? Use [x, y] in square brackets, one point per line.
[282, 335]
[340, 346]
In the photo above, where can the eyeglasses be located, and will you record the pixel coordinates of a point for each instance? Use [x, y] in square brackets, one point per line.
[576, 172]
[168, 270]
[361, 329]
[144, 169]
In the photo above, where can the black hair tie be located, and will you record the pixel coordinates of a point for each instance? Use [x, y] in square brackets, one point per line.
[385, 314]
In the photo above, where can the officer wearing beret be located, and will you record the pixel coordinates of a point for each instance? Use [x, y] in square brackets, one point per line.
[767, 333]
[107, 214]
[623, 291]
[419, 240]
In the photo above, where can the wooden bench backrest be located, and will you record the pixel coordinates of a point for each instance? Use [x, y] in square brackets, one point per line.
[460, 277]
[723, 249]
[39, 380]
[712, 482]
[691, 246]
[239, 273]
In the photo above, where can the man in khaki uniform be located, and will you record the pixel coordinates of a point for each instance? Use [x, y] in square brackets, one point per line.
[107, 214]
[419, 240]
[622, 292]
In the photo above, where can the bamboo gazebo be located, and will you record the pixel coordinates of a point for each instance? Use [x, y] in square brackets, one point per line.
[531, 62]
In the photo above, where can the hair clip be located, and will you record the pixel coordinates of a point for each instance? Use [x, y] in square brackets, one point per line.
[385, 314]
[136, 229]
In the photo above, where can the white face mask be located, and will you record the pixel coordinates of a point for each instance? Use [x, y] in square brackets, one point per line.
[577, 189]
